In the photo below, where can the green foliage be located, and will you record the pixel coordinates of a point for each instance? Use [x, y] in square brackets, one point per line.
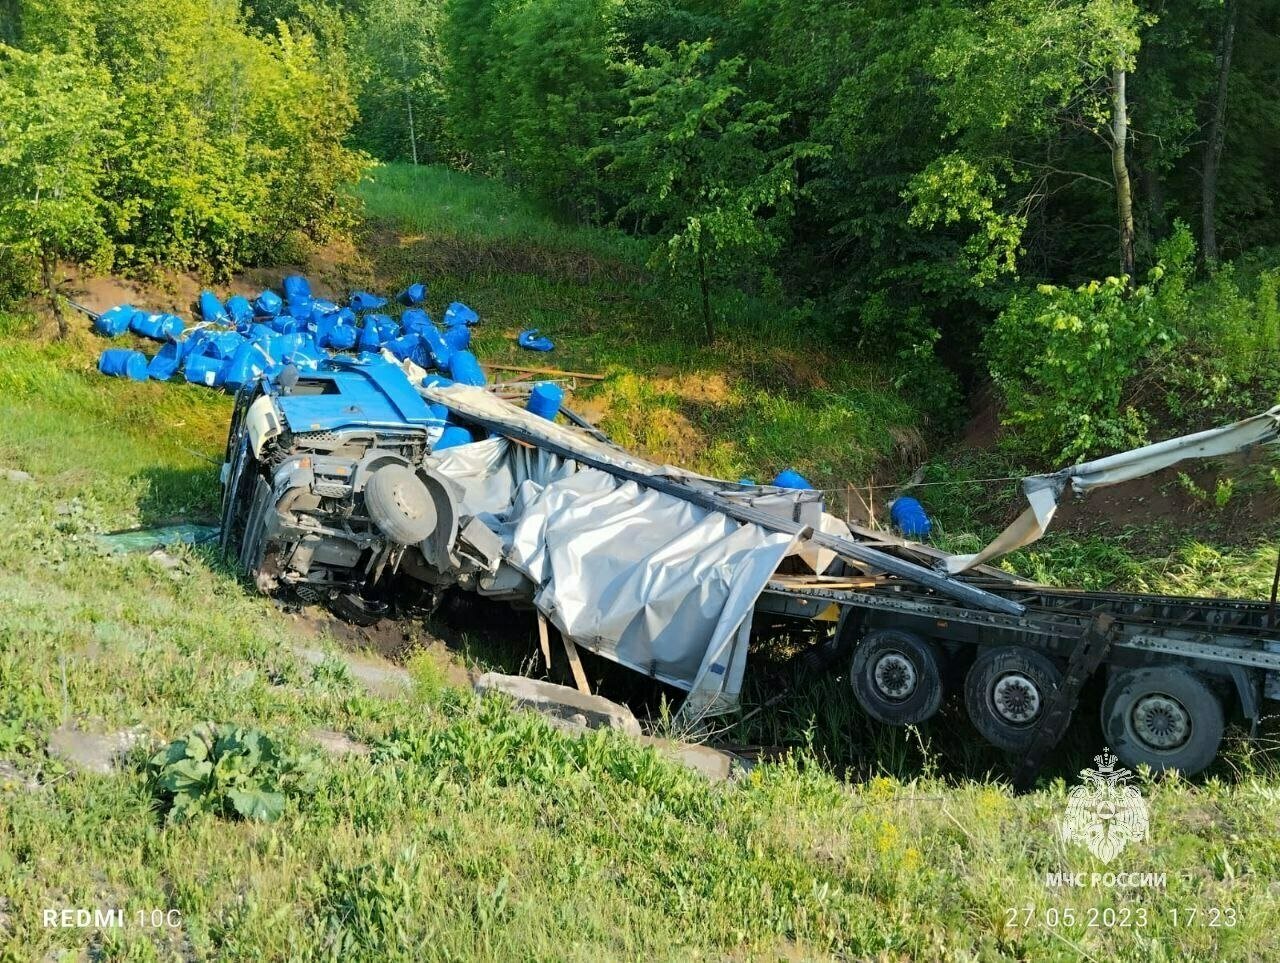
[1063, 357]
[209, 146]
[1087, 369]
[55, 119]
[558, 98]
[708, 177]
[229, 771]
[915, 164]
[396, 54]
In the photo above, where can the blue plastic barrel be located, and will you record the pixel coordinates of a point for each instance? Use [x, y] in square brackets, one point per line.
[407, 347]
[341, 337]
[203, 369]
[415, 320]
[530, 340]
[164, 363]
[220, 344]
[268, 304]
[212, 310]
[250, 361]
[370, 338]
[459, 313]
[413, 294]
[114, 321]
[288, 324]
[364, 301]
[158, 327]
[240, 310]
[123, 363]
[465, 369]
[301, 308]
[436, 347]
[908, 517]
[453, 436]
[458, 338]
[790, 478]
[296, 287]
[545, 400]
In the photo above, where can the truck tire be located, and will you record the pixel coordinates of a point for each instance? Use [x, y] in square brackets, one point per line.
[896, 677]
[400, 505]
[356, 609]
[1006, 692]
[1164, 716]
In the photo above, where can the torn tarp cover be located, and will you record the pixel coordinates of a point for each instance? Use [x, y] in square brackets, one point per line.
[643, 578]
[1043, 492]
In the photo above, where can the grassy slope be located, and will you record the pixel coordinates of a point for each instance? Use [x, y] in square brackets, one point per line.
[766, 396]
[472, 832]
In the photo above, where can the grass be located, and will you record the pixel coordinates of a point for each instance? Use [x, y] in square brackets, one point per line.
[472, 832]
[442, 203]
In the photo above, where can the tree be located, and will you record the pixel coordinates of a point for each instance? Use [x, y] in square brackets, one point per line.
[707, 173]
[401, 92]
[1216, 135]
[1017, 75]
[54, 119]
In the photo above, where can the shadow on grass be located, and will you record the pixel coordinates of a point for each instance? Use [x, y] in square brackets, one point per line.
[175, 495]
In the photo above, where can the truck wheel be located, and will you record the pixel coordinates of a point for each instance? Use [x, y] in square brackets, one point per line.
[400, 505]
[1164, 716]
[896, 677]
[1006, 692]
[355, 608]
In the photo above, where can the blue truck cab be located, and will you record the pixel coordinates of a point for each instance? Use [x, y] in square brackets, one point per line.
[325, 496]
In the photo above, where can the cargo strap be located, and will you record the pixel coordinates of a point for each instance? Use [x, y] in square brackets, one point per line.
[1085, 659]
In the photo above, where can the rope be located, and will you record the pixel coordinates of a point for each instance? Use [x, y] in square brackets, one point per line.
[905, 487]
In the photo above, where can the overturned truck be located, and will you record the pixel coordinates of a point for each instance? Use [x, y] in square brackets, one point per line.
[343, 486]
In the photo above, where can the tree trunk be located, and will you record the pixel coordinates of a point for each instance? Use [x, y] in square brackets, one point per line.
[1120, 169]
[1155, 201]
[1216, 135]
[413, 134]
[55, 303]
[705, 286]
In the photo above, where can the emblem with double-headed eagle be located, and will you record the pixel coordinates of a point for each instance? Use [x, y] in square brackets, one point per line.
[1105, 813]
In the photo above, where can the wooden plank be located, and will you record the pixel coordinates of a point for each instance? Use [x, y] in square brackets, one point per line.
[544, 640]
[825, 581]
[575, 663]
[554, 372]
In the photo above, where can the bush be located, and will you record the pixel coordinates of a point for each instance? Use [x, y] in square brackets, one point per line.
[229, 771]
[221, 142]
[1088, 369]
[1062, 358]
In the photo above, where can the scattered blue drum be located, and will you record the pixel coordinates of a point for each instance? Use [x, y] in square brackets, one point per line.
[909, 517]
[123, 363]
[545, 400]
[790, 478]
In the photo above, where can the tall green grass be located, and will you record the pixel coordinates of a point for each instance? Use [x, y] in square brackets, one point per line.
[435, 200]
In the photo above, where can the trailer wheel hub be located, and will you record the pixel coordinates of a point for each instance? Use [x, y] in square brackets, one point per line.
[1016, 698]
[895, 676]
[1161, 721]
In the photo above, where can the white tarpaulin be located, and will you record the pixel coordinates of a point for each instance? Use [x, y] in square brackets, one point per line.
[1043, 492]
[638, 576]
